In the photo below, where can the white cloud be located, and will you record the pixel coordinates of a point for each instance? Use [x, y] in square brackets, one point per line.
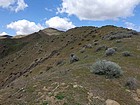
[99, 9]
[23, 27]
[3, 33]
[133, 26]
[59, 23]
[47, 9]
[13, 5]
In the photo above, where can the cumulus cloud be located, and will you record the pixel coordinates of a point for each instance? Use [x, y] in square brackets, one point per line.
[3, 33]
[23, 27]
[13, 5]
[59, 23]
[99, 9]
[133, 26]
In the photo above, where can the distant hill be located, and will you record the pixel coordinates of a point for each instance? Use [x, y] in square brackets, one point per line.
[51, 67]
[19, 36]
[5, 36]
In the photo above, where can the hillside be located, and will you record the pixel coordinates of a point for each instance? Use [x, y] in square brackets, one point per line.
[36, 69]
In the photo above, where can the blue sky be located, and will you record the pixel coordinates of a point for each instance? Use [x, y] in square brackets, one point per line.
[19, 17]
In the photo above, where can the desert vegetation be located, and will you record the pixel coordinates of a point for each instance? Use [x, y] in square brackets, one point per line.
[107, 68]
[84, 65]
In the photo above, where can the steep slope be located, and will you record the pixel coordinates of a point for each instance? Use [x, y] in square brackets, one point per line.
[10, 44]
[40, 72]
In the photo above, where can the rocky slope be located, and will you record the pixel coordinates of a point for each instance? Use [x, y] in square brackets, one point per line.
[36, 69]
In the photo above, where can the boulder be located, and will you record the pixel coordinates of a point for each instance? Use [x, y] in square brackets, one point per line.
[138, 93]
[111, 102]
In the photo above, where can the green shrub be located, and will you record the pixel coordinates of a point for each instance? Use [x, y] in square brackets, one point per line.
[60, 96]
[126, 53]
[110, 51]
[73, 58]
[131, 83]
[45, 103]
[107, 68]
[99, 48]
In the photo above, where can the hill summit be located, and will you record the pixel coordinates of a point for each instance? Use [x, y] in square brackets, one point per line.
[51, 31]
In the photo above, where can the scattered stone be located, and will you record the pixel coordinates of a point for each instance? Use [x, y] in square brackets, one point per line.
[82, 50]
[88, 46]
[75, 86]
[111, 102]
[138, 93]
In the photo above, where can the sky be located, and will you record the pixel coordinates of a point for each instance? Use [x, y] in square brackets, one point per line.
[22, 17]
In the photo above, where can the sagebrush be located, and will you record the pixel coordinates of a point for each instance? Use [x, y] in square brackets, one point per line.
[107, 68]
[110, 51]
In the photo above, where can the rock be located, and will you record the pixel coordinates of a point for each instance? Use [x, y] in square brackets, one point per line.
[111, 102]
[75, 86]
[138, 93]
[88, 46]
[82, 50]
